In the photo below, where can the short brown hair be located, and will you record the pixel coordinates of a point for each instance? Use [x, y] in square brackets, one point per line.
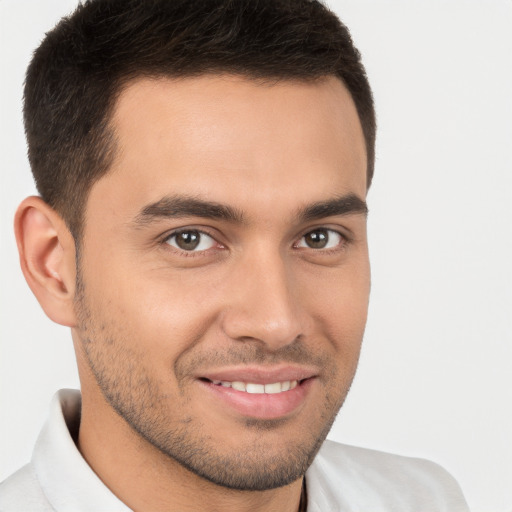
[80, 67]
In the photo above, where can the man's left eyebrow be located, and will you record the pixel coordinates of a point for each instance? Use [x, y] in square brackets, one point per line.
[349, 204]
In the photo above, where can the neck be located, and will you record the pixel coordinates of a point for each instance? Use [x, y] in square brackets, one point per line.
[147, 480]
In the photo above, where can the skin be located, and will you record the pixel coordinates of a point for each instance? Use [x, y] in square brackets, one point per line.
[150, 320]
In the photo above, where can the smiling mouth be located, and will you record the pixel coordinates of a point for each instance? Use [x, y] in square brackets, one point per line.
[258, 389]
[260, 396]
[253, 388]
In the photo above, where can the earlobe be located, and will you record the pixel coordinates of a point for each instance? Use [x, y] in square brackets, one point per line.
[47, 258]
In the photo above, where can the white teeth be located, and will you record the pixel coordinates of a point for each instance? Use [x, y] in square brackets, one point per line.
[277, 387]
[255, 388]
[249, 387]
[239, 386]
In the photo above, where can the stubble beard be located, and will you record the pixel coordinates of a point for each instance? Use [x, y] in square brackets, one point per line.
[141, 402]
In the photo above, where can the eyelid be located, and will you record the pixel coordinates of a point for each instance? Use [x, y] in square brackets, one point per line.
[176, 231]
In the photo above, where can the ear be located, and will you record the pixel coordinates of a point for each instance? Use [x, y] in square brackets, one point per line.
[47, 257]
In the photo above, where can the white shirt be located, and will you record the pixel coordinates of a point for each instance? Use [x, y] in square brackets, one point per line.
[341, 479]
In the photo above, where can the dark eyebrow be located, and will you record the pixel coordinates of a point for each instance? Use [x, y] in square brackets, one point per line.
[344, 205]
[186, 206]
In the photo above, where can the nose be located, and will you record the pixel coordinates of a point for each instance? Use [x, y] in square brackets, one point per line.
[264, 303]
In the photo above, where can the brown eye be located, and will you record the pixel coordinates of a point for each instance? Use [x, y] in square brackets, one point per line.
[317, 239]
[321, 238]
[191, 240]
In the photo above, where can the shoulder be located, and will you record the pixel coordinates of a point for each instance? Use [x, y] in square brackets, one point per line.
[352, 478]
[21, 492]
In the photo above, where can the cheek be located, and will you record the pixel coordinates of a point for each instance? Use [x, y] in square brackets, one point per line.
[158, 313]
[340, 296]
[338, 304]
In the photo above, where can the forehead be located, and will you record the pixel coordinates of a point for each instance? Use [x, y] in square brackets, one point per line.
[235, 140]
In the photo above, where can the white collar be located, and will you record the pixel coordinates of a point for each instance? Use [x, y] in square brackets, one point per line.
[68, 482]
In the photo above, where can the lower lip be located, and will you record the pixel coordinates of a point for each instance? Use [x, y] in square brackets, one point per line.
[262, 405]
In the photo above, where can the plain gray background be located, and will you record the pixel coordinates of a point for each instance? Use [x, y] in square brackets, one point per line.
[435, 375]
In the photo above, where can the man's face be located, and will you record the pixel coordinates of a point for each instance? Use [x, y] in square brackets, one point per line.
[224, 272]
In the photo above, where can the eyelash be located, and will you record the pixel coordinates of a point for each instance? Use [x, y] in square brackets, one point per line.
[344, 241]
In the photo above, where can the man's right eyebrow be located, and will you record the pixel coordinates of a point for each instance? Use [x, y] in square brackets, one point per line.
[175, 207]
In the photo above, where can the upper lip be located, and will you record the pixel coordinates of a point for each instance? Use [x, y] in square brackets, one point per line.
[260, 374]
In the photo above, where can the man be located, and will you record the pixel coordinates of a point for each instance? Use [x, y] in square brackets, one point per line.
[203, 169]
